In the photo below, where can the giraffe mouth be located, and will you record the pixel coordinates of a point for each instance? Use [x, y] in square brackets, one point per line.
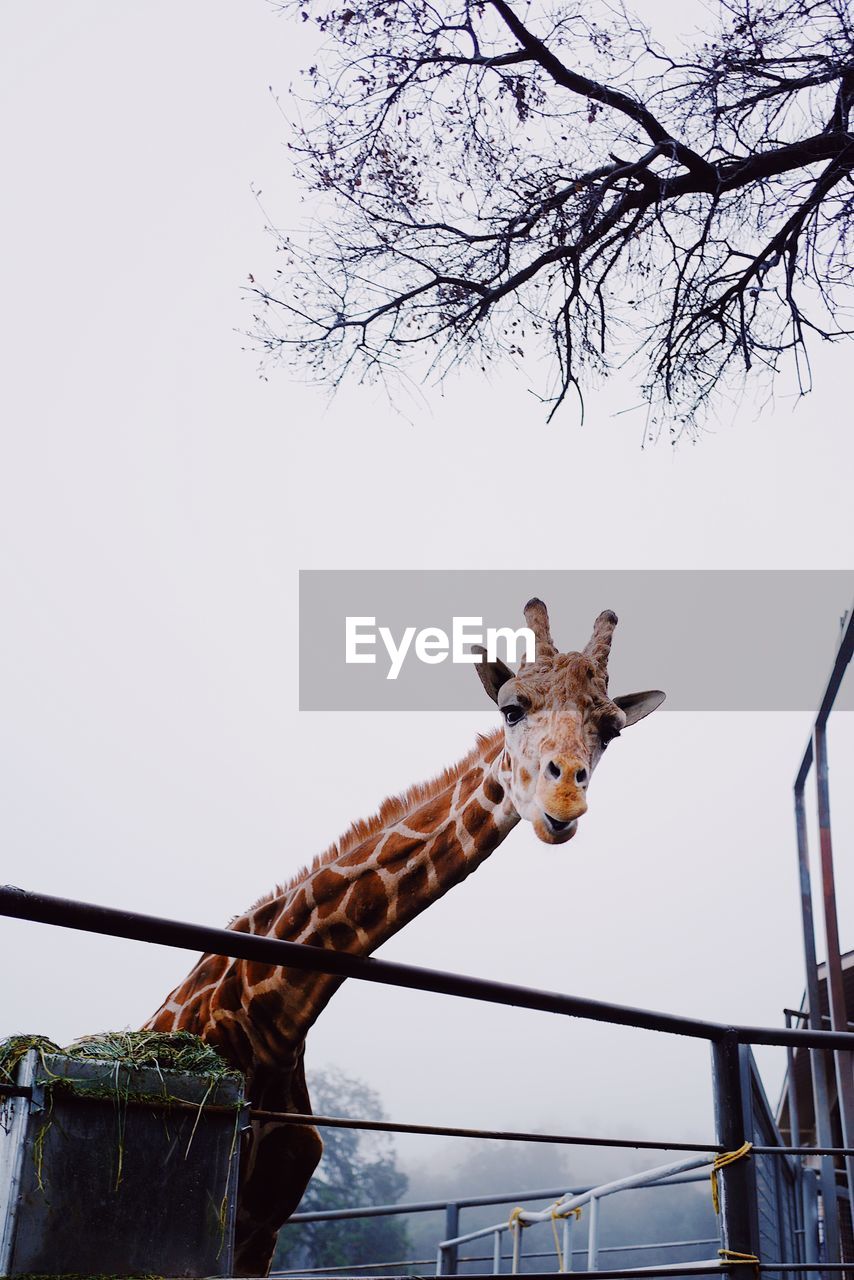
[556, 826]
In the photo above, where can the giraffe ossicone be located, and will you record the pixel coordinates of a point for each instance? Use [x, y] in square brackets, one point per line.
[558, 719]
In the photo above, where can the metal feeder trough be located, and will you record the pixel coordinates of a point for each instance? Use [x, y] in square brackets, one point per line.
[103, 1171]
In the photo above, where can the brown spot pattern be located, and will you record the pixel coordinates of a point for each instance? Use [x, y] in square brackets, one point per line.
[397, 850]
[429, 816]
[413, 883]
[366, 905]
[493, 789]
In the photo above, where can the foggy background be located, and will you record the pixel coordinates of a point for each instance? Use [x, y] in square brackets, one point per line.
[157, 498]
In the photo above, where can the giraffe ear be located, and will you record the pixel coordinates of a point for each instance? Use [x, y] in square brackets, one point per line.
[637, 705]
[492, 674]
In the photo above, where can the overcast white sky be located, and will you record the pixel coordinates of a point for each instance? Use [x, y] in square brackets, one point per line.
[156, 501]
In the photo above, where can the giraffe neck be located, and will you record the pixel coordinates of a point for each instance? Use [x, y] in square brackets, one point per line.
[357, 900]
[356, 896]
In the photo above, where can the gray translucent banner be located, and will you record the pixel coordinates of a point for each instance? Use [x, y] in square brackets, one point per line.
[713, 640]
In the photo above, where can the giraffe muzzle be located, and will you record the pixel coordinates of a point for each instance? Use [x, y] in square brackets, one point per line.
[552, 829]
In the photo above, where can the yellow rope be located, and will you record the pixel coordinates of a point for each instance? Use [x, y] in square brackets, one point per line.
[721, 1162]
[558, 1249]
[515, 1219]
[555, 1215]
[740, 1259]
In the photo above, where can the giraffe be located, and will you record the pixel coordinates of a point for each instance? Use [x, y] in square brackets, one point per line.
[557, 721]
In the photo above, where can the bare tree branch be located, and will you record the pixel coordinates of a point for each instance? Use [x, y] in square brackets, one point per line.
[689, 212]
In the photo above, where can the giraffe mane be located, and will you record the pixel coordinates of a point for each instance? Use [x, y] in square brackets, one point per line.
[392, 810]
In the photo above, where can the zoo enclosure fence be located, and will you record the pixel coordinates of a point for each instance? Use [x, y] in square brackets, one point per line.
[733, 1075]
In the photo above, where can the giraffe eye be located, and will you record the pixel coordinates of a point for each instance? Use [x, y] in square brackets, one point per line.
[607, 732]
[513, 713]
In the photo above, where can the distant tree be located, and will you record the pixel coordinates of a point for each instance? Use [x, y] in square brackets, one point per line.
[496, 181]
[357, 1168]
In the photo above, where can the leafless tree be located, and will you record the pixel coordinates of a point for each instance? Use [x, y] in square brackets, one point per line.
[501, 180]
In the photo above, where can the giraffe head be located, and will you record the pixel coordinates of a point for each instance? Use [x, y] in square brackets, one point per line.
[558, 720]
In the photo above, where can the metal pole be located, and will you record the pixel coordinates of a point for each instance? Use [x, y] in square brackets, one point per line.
[792, 1093]
[809, 1214]
[91, 918]
[818, 1059]
[835, 982]
[568, 1233]
[593, 1236]
[739, 1222]
[452, 1229]
[496, 1254]
[795, 1138]
[516, 1235]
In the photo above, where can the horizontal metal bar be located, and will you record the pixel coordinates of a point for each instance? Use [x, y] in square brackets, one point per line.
[448, 1131]
[129, 924]
[634, 1248]
[421, 1206]
[668, 1269]
[803, 1016]
[465, 1202]
[802, 1151]
[483, 1257]
[516, 1135]
[711, 1267]
[354, 1266]
[580, 1253]
[91, 918]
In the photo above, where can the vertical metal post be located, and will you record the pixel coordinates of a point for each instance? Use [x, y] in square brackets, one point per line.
[496, 1253]
[809, 1217]
[737, 1182]
[568, 1233]
[516, 1236]
[791, 1092]
[818, 1057]
[835, 987]
[452, 1229]
[593, 1235]
[795, 1141]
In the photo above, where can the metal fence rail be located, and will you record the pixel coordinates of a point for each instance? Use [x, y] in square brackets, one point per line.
[565, 1209]
[92, 918]
[728, 1044]
[463, 1202]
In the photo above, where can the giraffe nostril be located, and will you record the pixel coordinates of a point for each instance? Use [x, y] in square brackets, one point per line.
[552, 769]
[581, 776]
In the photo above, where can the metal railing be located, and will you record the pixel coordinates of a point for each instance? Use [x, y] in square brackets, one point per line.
[452, 1210]
[728, 1042]
[565, 1210]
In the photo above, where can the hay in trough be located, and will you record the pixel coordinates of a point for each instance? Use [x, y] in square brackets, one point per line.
[162, 1050]
[127, 1053]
